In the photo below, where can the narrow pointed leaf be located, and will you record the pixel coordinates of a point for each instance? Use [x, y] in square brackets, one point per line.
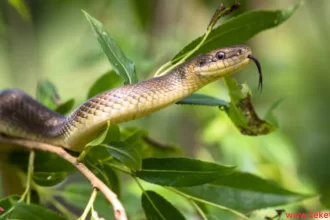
[240, 29]
[125, 153]
[31, 211]
[105, 82]
[201, 99]
[100, 137]
[157, 208]
[242, 192]
[105, 173]
[181, 171]
[123, 66]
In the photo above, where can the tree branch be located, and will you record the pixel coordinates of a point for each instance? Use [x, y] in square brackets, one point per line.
[118, 208]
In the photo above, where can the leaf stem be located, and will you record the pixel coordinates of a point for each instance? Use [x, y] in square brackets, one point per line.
[199, 210]
[89, 205]
[220, 12]
[241, 215]
[183, 58]
[26, 193]
[122, 169]
[83, 154]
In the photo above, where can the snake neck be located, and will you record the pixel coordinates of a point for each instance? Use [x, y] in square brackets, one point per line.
[128, 103]
[22, 116]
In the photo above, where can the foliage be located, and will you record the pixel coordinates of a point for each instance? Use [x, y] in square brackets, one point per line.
[125, 150]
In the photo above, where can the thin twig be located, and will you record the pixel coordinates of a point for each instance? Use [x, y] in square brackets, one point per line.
[118, 208]
[27, 192]
[89, 205]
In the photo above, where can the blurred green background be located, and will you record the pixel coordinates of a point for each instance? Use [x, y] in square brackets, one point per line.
[53, 40]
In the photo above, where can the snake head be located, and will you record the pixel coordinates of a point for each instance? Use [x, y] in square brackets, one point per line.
[222, 62]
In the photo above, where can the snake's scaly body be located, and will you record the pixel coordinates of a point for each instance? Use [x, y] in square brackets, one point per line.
[22, 116]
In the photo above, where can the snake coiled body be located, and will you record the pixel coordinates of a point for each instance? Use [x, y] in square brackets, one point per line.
[22, 116]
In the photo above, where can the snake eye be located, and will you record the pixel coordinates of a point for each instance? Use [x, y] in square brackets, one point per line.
[220, 55]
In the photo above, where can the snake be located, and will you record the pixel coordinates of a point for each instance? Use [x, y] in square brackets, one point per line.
[21, 116]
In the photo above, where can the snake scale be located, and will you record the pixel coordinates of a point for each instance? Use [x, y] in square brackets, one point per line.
[21, 116]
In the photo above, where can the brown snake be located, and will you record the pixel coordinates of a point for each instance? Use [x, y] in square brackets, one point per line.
[23, 117]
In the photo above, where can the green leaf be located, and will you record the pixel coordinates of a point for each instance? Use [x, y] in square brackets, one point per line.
[78, 194]
[44, 162]
[31, 211]
[125, 153]
[105, 173]
[156, 207]
[181, 171]
[240, 29]
[65, 107]
[242, 113]
[100, 137]
[7, 204]
[110, 133]
[98, 153]
[113, 134]
[242, 192]
[270, 113]
[118, 60]
[105, 82]
[135, 136]
[49, 178]
[47, 94]
[201, 99]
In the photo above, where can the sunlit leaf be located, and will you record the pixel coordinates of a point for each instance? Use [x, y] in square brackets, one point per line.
[105, 82]
[242, 192]
[156, 207]
[181, 171]
[201, 99]
[242, 113]
[240, 29]
[118, 60]
[100, 137]
[125, 153]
